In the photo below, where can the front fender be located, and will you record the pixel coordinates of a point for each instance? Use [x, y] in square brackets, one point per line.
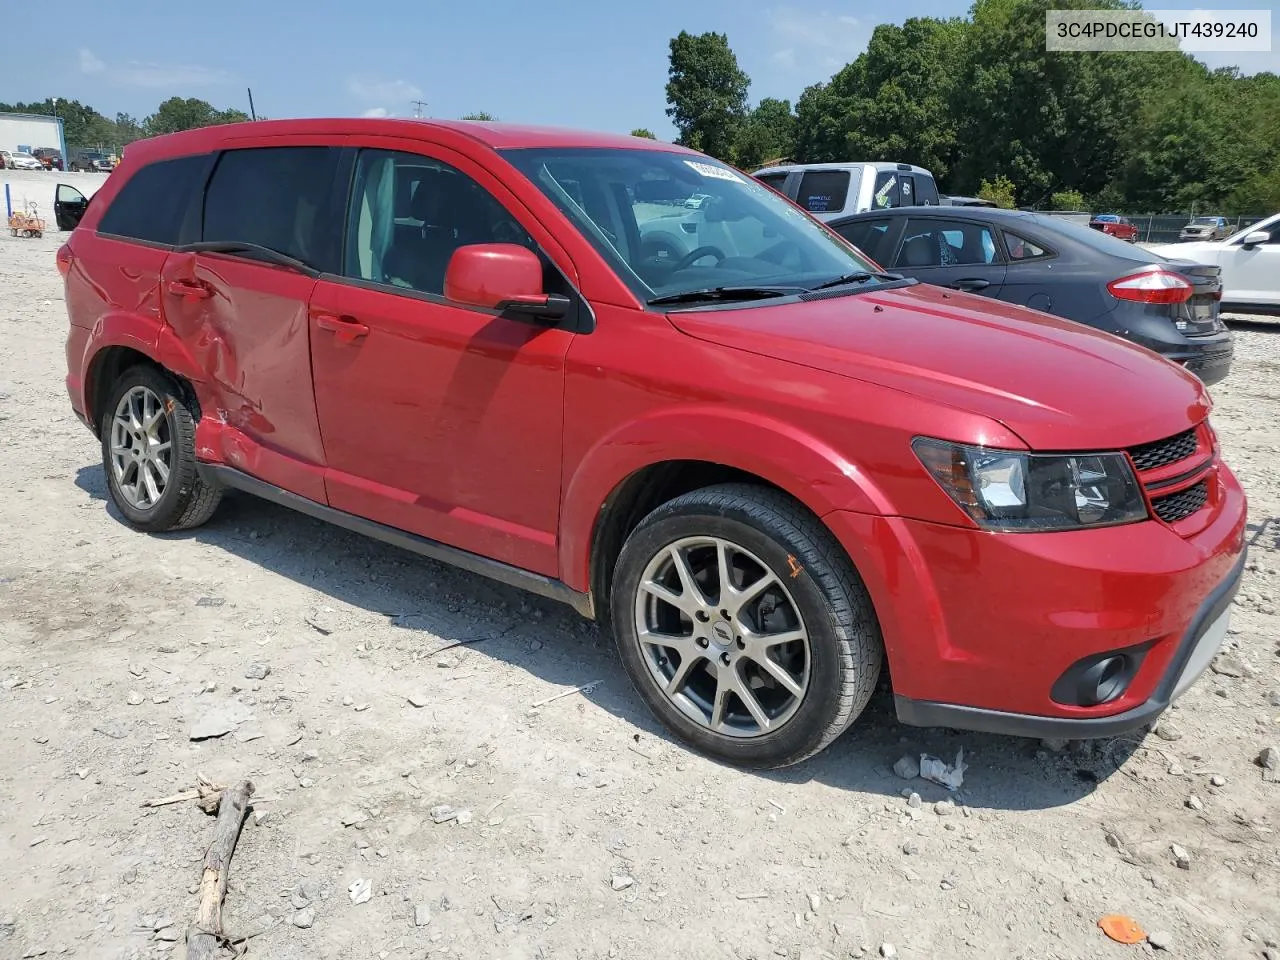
[789, 458]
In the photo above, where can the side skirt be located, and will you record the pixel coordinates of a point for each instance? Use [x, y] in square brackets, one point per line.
[433, 549]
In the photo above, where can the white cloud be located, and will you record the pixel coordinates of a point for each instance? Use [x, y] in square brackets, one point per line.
[382, 91]
[136, 73]
[376, 112]
[89, 63]
[819, 40]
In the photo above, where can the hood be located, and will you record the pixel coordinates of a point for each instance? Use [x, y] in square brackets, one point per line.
[1184, 251]
[1057, 384]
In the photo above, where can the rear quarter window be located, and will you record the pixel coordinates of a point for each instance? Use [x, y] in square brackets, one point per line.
[823, 191]
[155, 201]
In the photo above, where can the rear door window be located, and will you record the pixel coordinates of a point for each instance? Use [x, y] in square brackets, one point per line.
[282, 198]
[926, 191]
[946, 243]
[823, 191]
[154, 203]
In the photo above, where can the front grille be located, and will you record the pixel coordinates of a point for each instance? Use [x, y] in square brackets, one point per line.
[1161, 453]
[1180, 505]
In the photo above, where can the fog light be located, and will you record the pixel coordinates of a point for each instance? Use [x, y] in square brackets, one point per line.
[1103, 681]
[1099, 678]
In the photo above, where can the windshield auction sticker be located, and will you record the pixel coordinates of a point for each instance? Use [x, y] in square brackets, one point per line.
[1142, 31]
[714, 172]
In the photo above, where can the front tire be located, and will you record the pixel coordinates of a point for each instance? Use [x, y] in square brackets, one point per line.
[743, 625]
[148, 453]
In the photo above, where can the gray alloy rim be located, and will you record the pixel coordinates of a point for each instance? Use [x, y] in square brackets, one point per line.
[141, 448]
[722, 637]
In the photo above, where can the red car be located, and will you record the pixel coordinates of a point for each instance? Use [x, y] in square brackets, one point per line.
[1116, 226]
[770, 467]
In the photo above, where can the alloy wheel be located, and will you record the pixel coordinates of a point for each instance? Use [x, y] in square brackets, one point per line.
[141, 447]
[722, 637]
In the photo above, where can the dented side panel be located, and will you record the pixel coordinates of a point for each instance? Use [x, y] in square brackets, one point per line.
[246, 330]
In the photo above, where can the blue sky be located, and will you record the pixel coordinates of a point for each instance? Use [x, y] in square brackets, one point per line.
[595, 65]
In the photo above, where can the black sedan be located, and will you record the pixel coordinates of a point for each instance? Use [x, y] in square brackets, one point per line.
[1053, 265]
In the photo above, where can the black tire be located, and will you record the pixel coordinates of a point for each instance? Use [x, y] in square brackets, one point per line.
[845, 646]
[188, 500]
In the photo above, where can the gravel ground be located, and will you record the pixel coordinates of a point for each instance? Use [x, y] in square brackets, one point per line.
[581, 830]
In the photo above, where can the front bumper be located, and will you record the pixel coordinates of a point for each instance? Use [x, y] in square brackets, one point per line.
[1199, 645]
[980, 627]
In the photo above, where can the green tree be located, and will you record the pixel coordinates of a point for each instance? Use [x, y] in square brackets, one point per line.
[999, 191]
[177, 114]
[644, 132]
[1068, 200]
[707, 93]
[479, 115]
[769, 133]
[1048, 121]
[128, 129]
[892, 103]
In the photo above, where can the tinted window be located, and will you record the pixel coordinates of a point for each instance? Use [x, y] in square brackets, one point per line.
[1020, 248]
[153, 202]
[926, 191]
[277, 197]
[869, 236]
[408, 215]
[775, 180]
[823, 191]
[946, 243]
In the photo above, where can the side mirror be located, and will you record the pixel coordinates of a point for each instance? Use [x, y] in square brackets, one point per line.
[1255, 238]
[502, 276]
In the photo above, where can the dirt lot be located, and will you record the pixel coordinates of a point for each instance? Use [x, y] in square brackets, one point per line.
[587, 833]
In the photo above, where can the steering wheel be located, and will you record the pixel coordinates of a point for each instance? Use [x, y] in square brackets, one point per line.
[696, 254]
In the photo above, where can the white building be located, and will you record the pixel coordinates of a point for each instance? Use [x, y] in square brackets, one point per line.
[29, 131]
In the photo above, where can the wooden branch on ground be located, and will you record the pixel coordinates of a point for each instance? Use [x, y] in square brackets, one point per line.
[206, 792]
[205, 937]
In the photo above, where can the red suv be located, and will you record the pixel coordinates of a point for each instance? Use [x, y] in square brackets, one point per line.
[767, 464]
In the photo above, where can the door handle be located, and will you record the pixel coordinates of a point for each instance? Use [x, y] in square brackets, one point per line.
[192, 289]
[347, 329]
[973, 283]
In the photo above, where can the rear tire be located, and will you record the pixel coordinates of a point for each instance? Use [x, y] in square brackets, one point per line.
[148, 453]
[795, 632]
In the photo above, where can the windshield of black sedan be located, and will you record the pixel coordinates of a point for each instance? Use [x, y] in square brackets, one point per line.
[673, 223]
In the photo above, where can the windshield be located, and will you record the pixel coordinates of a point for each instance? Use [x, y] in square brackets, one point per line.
[1269, 224]
[674, 223]
[1205, 221]
[95, 156]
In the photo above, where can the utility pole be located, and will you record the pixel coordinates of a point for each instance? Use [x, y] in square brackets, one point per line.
[417, 108]
[253, 114]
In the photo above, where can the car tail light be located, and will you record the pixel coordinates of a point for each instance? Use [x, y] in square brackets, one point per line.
[64, 259]
[1152, 286]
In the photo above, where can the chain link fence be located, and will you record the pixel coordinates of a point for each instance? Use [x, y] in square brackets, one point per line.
[1165, 227]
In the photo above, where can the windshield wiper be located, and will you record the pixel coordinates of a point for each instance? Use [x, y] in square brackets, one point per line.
[258, 251]
[724, 295]
[862, 276]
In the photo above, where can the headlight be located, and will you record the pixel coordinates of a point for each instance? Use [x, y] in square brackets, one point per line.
[1009, 490]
